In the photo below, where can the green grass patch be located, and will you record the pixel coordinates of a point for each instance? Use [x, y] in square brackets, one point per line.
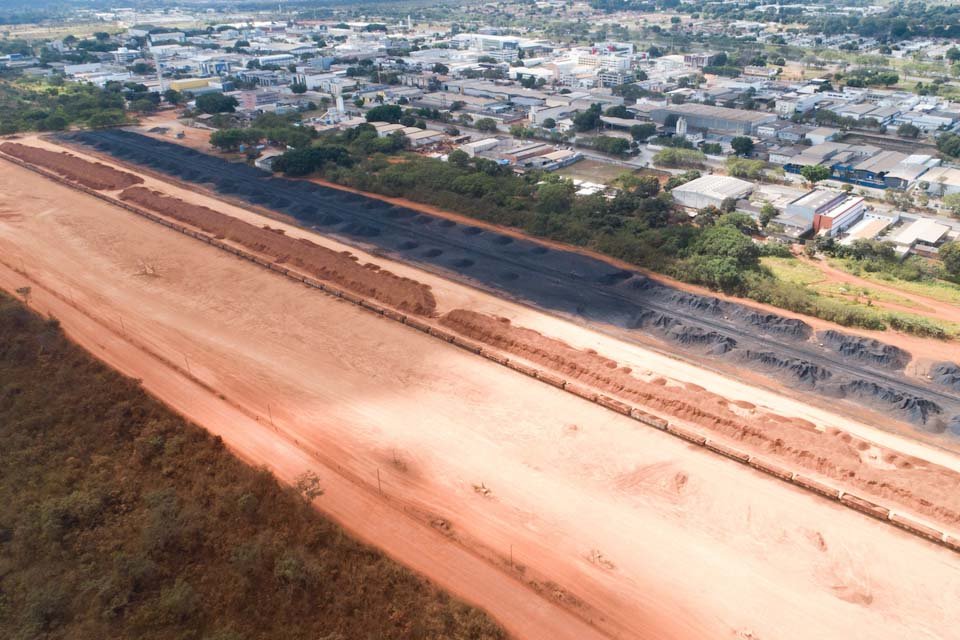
[933, 288]
[802, 287]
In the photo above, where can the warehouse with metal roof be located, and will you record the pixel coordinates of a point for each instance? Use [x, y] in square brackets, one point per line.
[703, 116]
[710, 191]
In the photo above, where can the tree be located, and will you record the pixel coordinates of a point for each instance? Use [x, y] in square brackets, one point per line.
[459, 158]
[611, 145]
[644, 186]
[216, 103]
[949, 143]
[519, 131]
[676, 157]
[488, 125]
[300, 162]
[549, 123]
[587, 120]
[298, 87]
[950, 256]
[741, 168]
[619, 111]
[711, 148]
[907, 130]
[642, 131]
[441, 69]
[815, 173]
[721, 255]
[385, 113]
[173, 96]
[683, 178]
[143, 105]
[767, 213]
[555, 197]
[742, 145]
[231, 139]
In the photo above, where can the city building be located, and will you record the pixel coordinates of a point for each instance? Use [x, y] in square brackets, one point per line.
[258, 99]
[830, 212]
[923, 236]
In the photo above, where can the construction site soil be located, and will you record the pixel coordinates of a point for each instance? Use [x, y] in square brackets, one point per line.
[93, 175]
[836, 364]
[562, 518]
[796, 442]
[342, 268]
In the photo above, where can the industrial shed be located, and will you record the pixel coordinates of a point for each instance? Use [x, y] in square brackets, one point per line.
[711, 190]
[702, 116]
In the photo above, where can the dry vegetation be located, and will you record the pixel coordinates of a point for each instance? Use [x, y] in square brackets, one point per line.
[118, 519]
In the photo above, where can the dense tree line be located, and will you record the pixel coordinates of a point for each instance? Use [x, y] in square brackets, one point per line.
[30, 106]
[267, 127]
[902, 21]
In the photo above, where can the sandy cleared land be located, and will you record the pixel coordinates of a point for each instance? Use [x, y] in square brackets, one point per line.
[612, 523]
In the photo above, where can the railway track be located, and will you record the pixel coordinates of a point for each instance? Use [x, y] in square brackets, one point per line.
[591, 299]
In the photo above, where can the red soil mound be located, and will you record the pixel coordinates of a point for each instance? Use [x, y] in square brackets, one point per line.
[910, 482]
[340, 268]
[90, 174]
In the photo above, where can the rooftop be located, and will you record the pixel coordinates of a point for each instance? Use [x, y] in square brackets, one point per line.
[883, 162]
[706, 110]
[924, 230]
[720, 187]
[816, 199]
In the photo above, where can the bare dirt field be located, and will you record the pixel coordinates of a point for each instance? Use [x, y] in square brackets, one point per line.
[614, 530]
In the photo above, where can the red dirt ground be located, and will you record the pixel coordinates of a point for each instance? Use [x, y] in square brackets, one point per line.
[919, 486]
[89, 174]
[341, 268]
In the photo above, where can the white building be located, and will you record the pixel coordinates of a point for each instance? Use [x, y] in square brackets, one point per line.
[923, 235]
[711, 190]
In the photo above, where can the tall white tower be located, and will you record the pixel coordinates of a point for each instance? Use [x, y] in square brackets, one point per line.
[159, 65]
[681, 127]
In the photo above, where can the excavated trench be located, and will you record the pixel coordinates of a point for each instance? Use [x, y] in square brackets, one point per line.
[835, 364]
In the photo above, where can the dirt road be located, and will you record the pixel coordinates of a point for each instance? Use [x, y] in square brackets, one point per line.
[619, 525]
[925, 306]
